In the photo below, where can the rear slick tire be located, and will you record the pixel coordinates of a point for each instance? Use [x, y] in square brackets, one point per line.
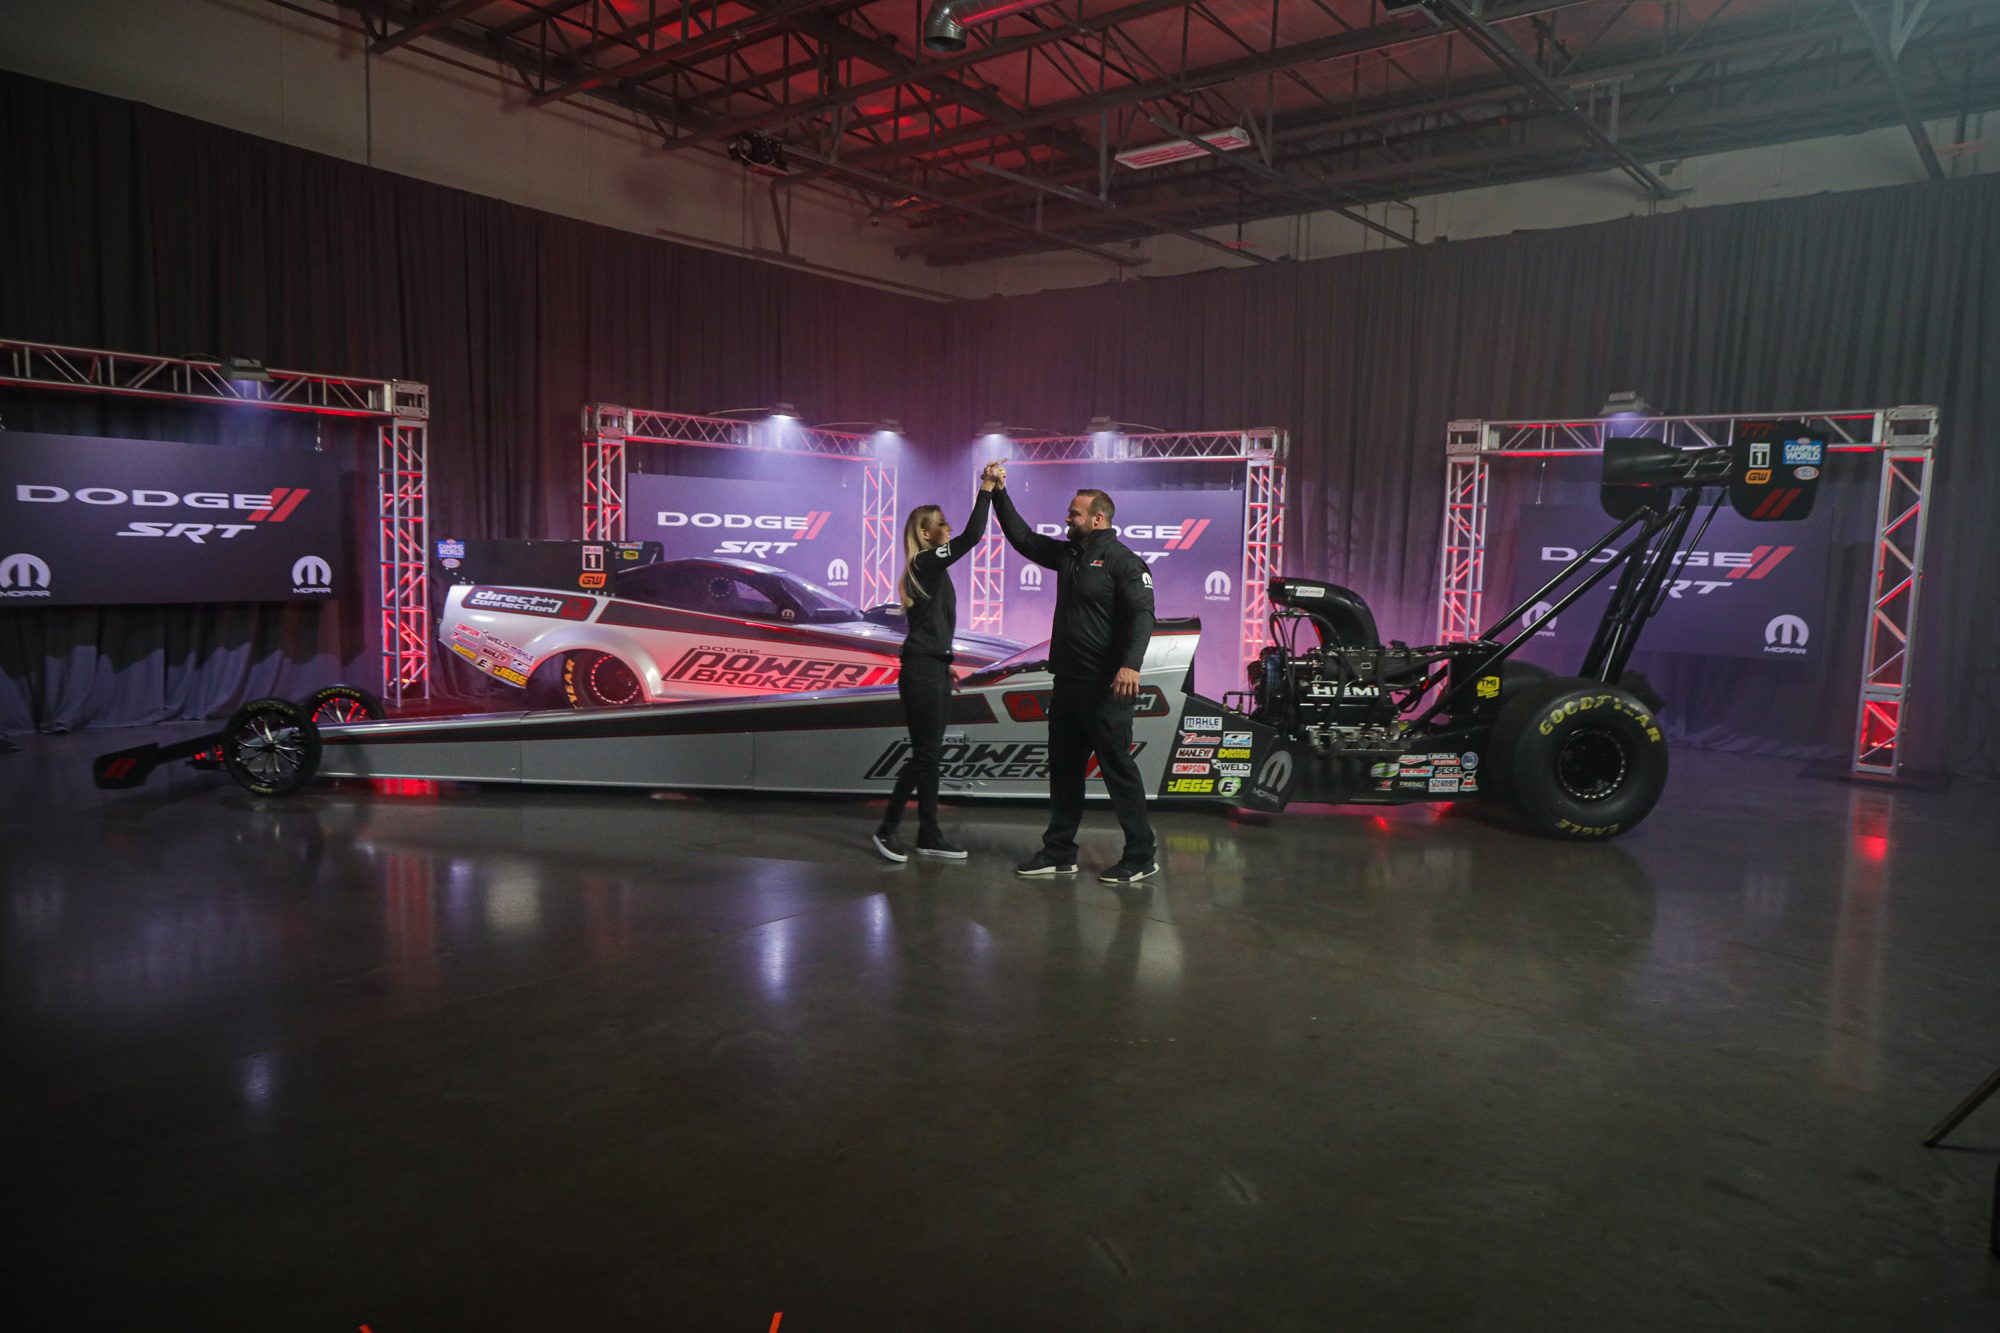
[599, 680]
[1579, 759]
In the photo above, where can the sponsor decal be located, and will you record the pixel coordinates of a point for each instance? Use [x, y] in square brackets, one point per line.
[1195, 752]
[1233, 752]
[967, 761]
[1469, 784]
[1216, 587]
[1760, 453]
[1443, 784]
[1805, 473]
[1541, 620]
[310, 574]
[1234, 770]
[1196, 769]
[1190, 739]
[1804, 451]
[510, 675]
[1235, 738]
[590, 580]
[593, 558]
[1757, 476]
[1487, 687]
[1191, 786]
[1194, 723]
[1033, 705]
[1308, 590]
[772, 671]
[1468, 761]
[1274, 776]
[1786, 634]
[24, 575]
[525, 602]
[1228, 786]
[451, 550]
[1146, 578]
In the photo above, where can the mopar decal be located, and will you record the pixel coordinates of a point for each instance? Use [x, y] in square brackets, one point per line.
[772, 671]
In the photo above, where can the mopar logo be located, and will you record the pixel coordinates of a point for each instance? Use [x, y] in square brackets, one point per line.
[836, 574]
[311, 574]
[1031, 577]
[24, 575]
[1786, 634]
[1540, 619]
[1216, 587]
[1275, 775]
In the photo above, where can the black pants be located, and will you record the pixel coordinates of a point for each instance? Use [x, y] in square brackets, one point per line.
[925, 684]
[1085, 718]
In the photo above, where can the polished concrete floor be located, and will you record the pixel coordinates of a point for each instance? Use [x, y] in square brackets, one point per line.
[511, 1059]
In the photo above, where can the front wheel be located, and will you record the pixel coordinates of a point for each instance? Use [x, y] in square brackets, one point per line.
[599, 680]
[271, 747]
[1579, 759]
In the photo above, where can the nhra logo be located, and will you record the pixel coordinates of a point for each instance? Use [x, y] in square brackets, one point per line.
[1216, 587]
[792, 529]
[836, 574]
[24, 575]
[1031, 577]
[310, 574]
[1786, 634]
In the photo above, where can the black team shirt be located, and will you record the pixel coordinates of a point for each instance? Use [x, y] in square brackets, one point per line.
[1104, 598]
[933, 614]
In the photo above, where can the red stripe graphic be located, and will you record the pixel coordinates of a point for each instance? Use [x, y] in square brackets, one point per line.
[817, 521]
[1784, 502]
[1742, 571]
[284, 511]
[260, 515]
[1777, 557]
[1191, 531]
[1763, 510]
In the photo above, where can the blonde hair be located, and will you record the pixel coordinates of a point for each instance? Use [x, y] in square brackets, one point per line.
[914, 545]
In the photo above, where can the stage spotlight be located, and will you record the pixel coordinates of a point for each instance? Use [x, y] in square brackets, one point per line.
[244, 370]
[993, 428]
[1099, 424]
[760, 153]
[1626, 403]
[784, 412]
[891, 425]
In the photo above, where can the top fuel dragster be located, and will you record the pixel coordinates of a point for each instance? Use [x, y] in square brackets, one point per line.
[1343, 718]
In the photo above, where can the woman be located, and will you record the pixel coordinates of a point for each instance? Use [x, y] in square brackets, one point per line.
[930, 608]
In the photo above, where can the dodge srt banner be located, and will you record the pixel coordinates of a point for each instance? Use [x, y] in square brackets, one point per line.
[1748, 590]
[1192, 542]
[813, 531]
[88, 521]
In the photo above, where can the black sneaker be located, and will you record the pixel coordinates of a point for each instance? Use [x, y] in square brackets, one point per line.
[889, 846]
[1129, 872]
[1041, 863]
[941, 848]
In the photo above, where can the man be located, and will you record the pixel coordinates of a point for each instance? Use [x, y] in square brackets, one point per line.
[1103, 622]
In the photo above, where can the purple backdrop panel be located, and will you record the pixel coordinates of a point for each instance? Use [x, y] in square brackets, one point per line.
[1192, 541]
[813, 531]
[87, 521]
[1755, 590]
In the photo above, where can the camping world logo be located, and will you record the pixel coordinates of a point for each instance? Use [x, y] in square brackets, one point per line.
[1786, 634]
[24, 575]
[1216, 587]
[311, 575]
[836, 574]
[1031, 577]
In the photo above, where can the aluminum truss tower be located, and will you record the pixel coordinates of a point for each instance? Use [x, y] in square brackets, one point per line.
[1261, 453]
[608, 431]
[399, 409]
[1904, 440]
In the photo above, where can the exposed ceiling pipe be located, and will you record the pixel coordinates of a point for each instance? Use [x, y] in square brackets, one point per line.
[944, 28]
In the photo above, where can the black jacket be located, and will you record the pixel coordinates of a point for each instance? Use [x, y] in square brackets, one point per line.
[933, 613]
[1104, 597]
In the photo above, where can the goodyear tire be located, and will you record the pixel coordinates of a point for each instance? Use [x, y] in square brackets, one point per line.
[1578, 759]
[599, 680]
[342, 703]
[271, 747]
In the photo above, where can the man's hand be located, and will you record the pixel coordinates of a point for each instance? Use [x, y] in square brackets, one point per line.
[1125, 685]
[1000, 475]
[987, 481]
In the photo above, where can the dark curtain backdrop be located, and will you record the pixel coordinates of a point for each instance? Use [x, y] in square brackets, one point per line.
[130, 228]
[1864, 299]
